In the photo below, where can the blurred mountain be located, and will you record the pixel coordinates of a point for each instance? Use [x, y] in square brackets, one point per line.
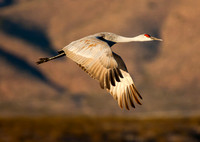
[166, 73]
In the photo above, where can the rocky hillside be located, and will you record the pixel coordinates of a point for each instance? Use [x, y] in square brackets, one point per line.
[166, 73]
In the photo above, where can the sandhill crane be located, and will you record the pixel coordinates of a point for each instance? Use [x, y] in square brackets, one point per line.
[94, 55]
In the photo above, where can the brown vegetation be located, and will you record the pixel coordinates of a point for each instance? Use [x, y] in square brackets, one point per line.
[86, 129]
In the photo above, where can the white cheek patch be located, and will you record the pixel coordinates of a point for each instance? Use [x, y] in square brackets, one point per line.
[144, 37]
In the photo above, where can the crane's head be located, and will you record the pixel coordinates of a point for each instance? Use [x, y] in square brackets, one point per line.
[146, 37]
[117, 38]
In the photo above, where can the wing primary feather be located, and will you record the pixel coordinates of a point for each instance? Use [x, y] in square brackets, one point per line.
[120, 101]
[134, 95]
[125, 101]
[125, 95]
[116, 75]
[119, 72]
[107, 80]
[112, 77]
[101, 79]
[113, 94]
[130, 97]
[101, 85]
[137, 91]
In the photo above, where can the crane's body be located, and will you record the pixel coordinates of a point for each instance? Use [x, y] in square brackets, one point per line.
[94, 55]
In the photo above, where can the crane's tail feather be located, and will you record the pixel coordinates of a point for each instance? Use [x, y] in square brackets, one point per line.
[43, 60]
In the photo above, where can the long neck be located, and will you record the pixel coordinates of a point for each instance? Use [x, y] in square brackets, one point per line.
[130, 39]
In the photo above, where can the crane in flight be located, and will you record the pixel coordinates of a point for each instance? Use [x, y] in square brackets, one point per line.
[93, 54]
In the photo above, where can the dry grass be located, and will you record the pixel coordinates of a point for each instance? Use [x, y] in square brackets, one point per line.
[62, 129]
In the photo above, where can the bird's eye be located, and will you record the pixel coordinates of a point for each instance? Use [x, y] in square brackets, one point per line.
[147, 35]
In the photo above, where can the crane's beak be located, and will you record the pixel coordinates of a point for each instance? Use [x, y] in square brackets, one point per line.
[154, 38]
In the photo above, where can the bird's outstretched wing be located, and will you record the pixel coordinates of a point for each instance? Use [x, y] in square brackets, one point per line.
[124, 91]
[97, 59]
